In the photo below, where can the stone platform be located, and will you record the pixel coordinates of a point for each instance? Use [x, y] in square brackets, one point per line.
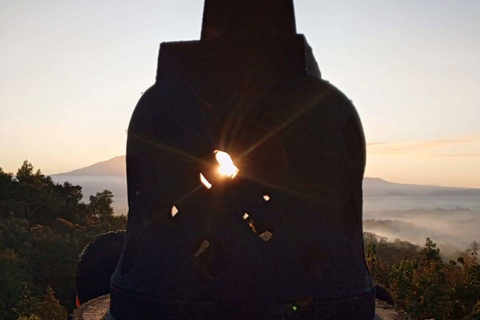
[97, 309]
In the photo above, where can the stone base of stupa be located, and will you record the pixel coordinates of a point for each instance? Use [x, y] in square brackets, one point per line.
[97, 309]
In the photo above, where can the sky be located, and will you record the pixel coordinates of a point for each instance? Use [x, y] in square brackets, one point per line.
[71, 73]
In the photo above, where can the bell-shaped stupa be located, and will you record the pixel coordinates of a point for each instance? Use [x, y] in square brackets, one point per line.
[245, 177]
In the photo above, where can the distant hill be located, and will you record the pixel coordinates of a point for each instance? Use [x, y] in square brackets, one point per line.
[395, 193]
[114, 167]
[456, 193]
[380, 187]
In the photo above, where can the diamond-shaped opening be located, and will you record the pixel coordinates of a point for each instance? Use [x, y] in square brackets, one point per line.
[265, 217]
[174, 211]
[211, 258]
[266, 236]
[205, 182]
[204, 245]
[251, 224]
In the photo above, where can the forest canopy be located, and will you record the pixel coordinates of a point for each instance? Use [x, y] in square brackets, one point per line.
[44, 227]
[422, 281]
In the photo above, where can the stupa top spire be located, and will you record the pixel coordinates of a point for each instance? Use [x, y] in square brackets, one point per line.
[230, 18]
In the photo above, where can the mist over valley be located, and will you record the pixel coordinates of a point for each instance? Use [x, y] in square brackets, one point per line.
[450, 216]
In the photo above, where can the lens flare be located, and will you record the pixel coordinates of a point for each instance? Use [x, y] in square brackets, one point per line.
[225, 168]
[225, 164]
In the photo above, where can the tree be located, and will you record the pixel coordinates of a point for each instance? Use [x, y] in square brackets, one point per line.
[372, 257]
[426, 287]
[49, 307]
[30, 317]
[11, 279]
[44, 306]
[430, 253]
[44, 227]
[101, 204]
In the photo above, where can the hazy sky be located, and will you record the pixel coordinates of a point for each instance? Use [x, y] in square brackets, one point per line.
[71, 73]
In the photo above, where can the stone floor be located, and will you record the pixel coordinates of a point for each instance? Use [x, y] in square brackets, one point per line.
[97, 309]
[385, 311]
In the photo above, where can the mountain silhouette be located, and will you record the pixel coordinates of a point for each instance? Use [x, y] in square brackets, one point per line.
[115, 167]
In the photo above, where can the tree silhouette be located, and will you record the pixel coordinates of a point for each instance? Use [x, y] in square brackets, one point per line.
[44, 226]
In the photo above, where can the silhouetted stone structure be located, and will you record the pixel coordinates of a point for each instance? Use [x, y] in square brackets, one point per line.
[281, 240]
[96, 264]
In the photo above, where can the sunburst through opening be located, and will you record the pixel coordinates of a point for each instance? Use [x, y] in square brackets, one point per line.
[226, 167]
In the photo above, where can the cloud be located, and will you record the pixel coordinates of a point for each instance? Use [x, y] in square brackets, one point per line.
[462, 155]
[458, 148]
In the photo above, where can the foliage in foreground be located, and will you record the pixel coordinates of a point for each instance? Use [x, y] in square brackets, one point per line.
[423, 284]
[44, 226]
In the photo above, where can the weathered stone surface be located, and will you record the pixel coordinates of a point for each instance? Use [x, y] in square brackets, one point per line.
[97, 310]
[96, 264]
[385, 311]
[250, 87]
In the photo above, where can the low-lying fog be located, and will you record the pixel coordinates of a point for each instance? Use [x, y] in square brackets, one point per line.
[453, 222]
[451, 229]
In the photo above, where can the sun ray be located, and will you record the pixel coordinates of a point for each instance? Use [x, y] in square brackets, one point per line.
[170, 150]
[285, 124]
[189, 194]
[179, 201]
[277, 187]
